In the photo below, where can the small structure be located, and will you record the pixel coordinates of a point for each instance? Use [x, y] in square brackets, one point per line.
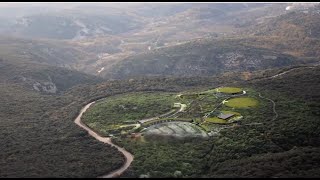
[135, 135]
[225, 116]
[147, 120]
[179, 105]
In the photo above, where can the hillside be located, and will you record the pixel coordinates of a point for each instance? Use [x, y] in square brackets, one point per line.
[302, 23]
[87, 59]
[203, 57]
[40, 138]
[295, 131]
[73, 37]
[41, 77]
[78, 21]
[291, 34]
[171, 24]
[260, 146]
[50, 52]
[37, 141]
[36, 113]
[295, 32]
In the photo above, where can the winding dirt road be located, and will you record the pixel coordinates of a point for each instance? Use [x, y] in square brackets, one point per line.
[273, 107]
[128, 156]
[278, 75]
[287, 71]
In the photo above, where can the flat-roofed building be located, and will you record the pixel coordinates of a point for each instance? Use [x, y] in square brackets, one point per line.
[225, 116]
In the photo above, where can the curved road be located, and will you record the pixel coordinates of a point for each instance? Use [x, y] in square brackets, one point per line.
[285, 72]
[128, 156]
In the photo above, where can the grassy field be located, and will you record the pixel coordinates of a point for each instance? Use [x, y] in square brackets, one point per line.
[119, 110]
[242, 102]
[229, 90]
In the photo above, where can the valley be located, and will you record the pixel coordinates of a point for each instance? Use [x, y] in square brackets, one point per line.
[161, 45]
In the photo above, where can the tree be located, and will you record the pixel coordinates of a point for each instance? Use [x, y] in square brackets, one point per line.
[177, 174]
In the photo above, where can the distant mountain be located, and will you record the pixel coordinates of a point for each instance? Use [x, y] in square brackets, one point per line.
[117, 42]
[296, 32]
[299, 23]
[71, 25]
[83, 21]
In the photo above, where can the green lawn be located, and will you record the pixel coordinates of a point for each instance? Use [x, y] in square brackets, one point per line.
[229, 90]
[231, 112]
[242, 102]
[127, 109]
[216, 120]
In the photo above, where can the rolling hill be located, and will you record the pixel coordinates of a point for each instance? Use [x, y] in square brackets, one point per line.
[202, 57]
[58, 59]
